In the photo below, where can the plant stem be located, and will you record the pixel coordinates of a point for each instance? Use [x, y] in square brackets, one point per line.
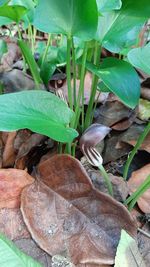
[74, 73]
[81, 87]
[107, 180]
[141, 189]
[70, 95]
[135, 149]
[20, 37]
[93, 87]
[46, 49]
[131, 201]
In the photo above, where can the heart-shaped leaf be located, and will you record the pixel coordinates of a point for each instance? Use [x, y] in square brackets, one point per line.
[69, 17]
[140, 58]
[65, 213]
[15, 13]
[108, 5]
[38, 111]
[119, 29]
[11, 256]
[121, 78]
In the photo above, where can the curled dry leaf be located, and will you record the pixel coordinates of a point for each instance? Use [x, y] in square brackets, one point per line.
[65, 213]
[137, 178]
[12, 182]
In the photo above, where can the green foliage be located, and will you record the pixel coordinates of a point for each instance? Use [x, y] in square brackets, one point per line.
[11, 256]
[140, 58]
[39, 111]
[108, 5]
[69, 17]
[3, 2]
[31, 61]
[3, 48]
[121, 79]
[119, 29]
[15, 13]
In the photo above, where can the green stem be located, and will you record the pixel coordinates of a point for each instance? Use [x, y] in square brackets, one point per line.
[46, 49]
[135, 149]
[131, 201]
[107, 180]
[81, 87]
[20, 37]
[70, 96]
[93, 87]
[74, 73]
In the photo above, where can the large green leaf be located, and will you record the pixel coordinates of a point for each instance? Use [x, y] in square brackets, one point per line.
[121, 78]
[30, 5]
[119, 29]
[108, 5]
[39, 111]
[69, 17]
[140, 58]
[11, 256]
[128, 254]
[15, 13]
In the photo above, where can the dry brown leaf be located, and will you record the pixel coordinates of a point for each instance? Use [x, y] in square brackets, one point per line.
[12, 182]
[65, 213]
[11, 56]
[12, 224]
[9, 154]
[132, 134]
[137, 178]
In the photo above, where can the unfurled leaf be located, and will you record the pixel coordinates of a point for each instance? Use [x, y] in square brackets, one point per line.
[121, 79]
[119, 29]
[128, 253]
[144, 109]
[15, 13]
[12, 182]
[70, 17]
[64, 212]
[140, 58]
[11, 256]
[108, 5]
[38, 111]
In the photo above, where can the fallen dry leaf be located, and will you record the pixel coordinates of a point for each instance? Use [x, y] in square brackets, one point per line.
[65, 213]
[9, 154]
[132, 134]
[12, 182]
[137, 178]
[12, 224]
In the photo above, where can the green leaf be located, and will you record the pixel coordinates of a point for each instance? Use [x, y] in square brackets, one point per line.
[39, 111]
[108, 5]
[3, 48]
[30, 61]
[15, 13]
[3, 2]
[119, 29]
[11, 256]
[121, 78]
[46, 71]
[30, 5]
[128, 254]
[140, 58]
[5, 21]
[69, 17]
